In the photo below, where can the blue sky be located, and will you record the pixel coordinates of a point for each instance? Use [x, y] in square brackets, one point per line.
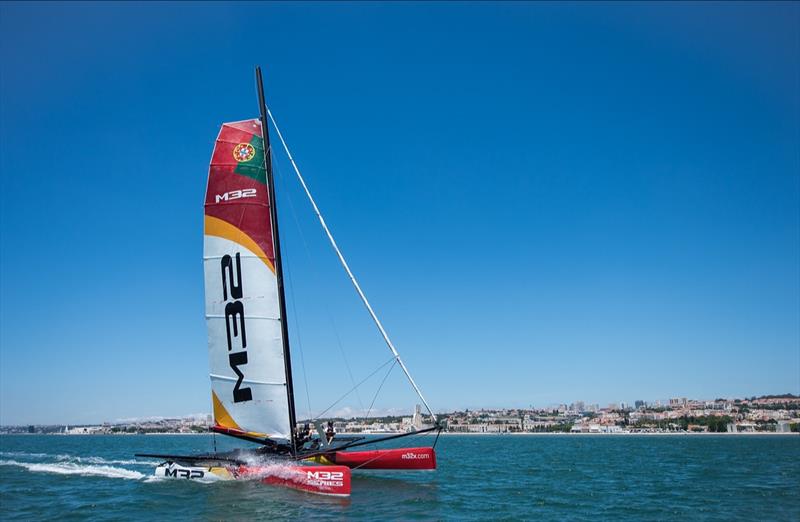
[544, 202]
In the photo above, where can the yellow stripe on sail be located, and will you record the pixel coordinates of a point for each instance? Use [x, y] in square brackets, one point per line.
[221, 415]
[224, 419]
[219, 228]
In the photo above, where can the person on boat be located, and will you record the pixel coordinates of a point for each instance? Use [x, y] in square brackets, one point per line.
[303, 435]
[330, 432]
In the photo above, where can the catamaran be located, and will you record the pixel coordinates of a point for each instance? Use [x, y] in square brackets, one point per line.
[248, 340]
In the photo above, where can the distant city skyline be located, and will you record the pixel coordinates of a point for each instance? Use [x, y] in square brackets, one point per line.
[542, 201]
[395, 412]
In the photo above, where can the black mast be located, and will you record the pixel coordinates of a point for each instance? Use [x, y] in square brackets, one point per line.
[273, 208]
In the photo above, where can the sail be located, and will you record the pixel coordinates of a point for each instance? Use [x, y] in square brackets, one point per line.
[248, 377]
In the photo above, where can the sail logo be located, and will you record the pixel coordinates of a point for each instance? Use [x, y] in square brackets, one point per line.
[184, 473]
[235, 194]
[234, 322]
[414, 456]
[244, 152]
[325, 478]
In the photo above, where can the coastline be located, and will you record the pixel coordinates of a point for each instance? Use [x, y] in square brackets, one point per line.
[458, 434]
[550, 434]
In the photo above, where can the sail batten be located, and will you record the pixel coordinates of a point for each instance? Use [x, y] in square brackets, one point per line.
[246, 381]
[243, 316]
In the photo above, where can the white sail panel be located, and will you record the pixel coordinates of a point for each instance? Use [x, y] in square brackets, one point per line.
[258, 404]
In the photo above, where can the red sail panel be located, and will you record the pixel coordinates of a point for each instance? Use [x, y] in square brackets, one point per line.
[237, 187]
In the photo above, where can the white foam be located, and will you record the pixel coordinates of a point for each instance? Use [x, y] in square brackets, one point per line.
[23, 454]
[259, 469]
[101, 460]
[276, 470]
[69, 468]
[63, 457]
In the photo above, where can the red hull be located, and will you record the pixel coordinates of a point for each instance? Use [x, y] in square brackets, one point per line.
[327, 480]
[400, 458]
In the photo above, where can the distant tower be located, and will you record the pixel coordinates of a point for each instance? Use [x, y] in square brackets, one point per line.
[416, 420]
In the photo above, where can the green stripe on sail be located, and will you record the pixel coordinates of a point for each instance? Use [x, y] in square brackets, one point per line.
[255, 167]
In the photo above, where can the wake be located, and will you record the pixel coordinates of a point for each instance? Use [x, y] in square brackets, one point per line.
[101, 460]
[264, 469]
[64, 464]
[90, 466]
[71, 468]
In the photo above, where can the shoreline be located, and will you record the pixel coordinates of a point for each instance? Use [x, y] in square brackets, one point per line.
[549, 434]
[452, 434]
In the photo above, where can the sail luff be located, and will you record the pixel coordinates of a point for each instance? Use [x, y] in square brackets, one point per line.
[277, 249]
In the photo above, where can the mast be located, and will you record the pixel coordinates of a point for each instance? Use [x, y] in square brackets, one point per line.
[273, 208]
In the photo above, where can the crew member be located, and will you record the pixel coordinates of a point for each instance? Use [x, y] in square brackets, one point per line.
[303, 435]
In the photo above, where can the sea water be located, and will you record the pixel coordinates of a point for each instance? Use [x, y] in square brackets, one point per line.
[480, 477]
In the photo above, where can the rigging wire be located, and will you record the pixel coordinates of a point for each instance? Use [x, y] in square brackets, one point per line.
[299, 342]
[324, 301]
[297, 328]
[297, 336]
[337, 401]
[379, 388]
[347, 269]
[438, 432]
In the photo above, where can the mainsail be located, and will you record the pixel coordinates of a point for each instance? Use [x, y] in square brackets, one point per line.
[243, 312]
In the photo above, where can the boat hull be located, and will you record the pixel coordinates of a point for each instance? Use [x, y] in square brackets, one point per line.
[321, 480]
[332, 481]
[390, 459]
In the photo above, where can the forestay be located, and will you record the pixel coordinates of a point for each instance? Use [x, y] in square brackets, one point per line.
[248, 379]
